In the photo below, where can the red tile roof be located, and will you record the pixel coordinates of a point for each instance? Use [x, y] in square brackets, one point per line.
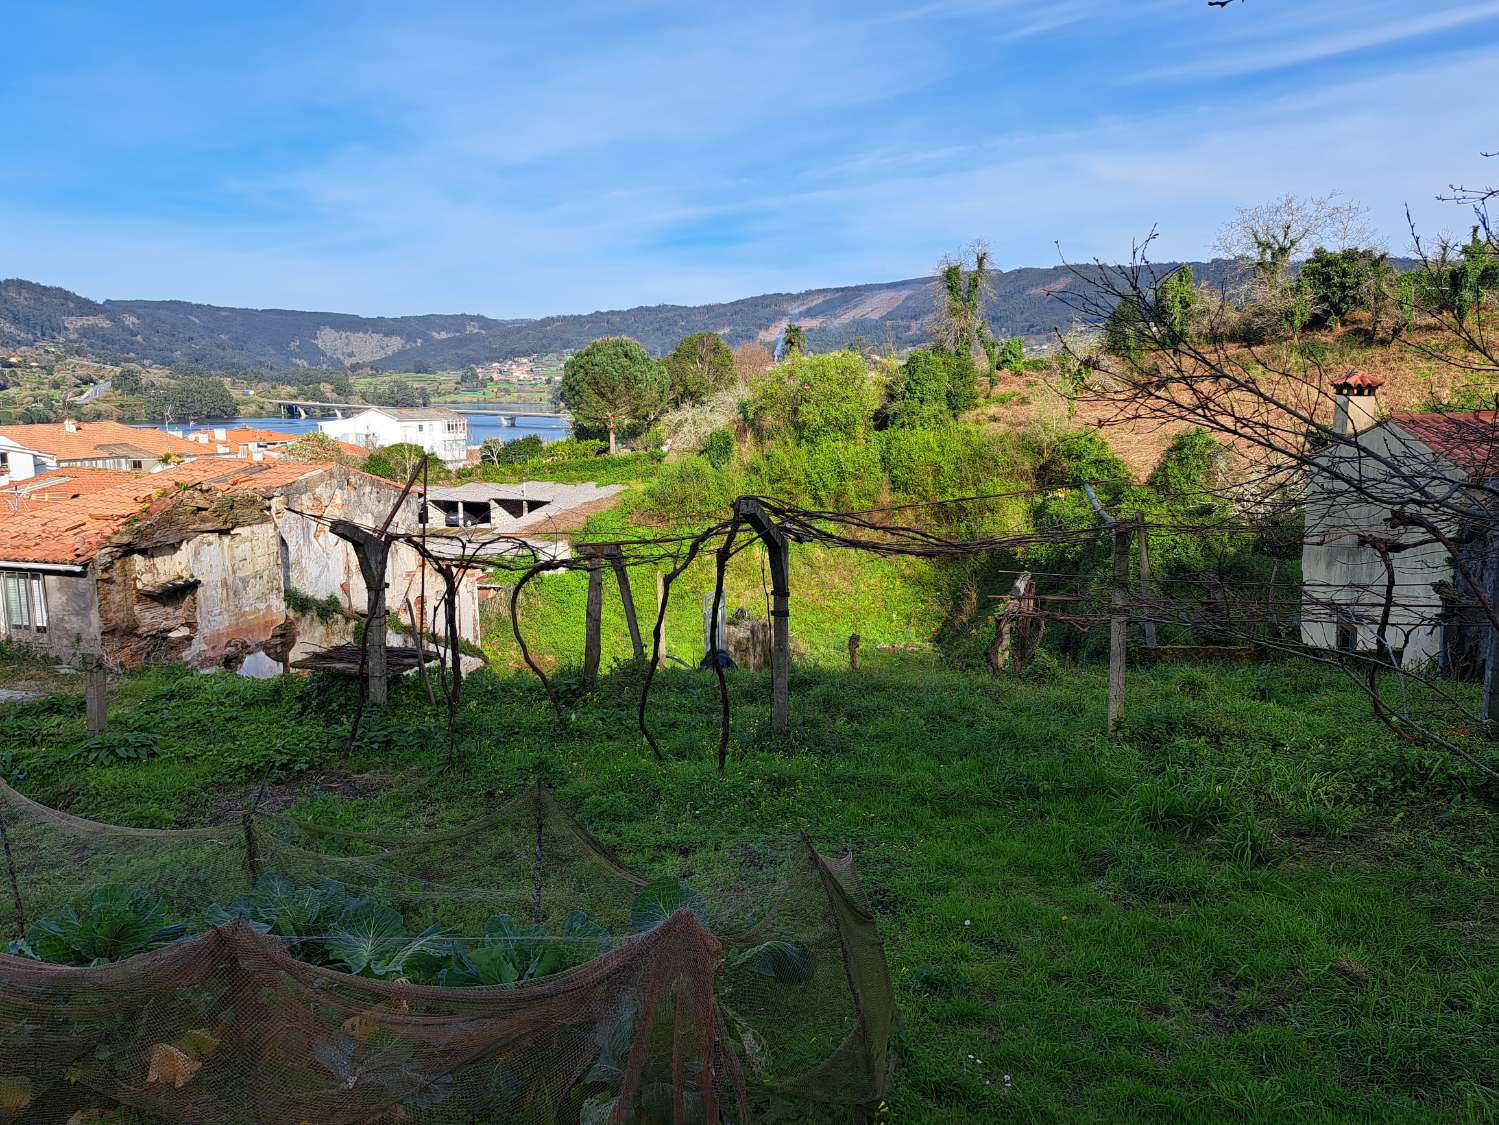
[65, 516]
[1470, 440]
[90, 441]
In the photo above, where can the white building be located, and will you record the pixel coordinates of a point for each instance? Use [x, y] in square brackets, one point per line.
[440, 431]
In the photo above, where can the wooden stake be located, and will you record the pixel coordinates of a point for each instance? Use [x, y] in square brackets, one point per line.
[660, 597]
[1147, 624]
[1118, 626]
[418, 628]
[15, 884]
[853, 652]
[780, 623]
[96, 694]
[591, 640]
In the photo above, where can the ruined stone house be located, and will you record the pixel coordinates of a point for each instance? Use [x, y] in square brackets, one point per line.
[197, 563]
[1425, 464]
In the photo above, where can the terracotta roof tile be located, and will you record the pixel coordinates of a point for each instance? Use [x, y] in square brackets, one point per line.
[64, 516]
[86, 440]
[1470, 440]
[1357, 379]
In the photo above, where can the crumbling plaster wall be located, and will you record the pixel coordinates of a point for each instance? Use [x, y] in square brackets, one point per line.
[319, 563]
[204, 581]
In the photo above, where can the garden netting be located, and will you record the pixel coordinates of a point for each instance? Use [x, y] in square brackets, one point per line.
[764, 997]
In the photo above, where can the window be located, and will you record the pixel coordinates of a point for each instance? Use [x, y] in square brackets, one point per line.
[25, 602]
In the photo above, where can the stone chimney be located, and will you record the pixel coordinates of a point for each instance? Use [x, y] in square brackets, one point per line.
[70, 424]
[1354, 408]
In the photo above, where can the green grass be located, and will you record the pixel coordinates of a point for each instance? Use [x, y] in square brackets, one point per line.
[1253, 905]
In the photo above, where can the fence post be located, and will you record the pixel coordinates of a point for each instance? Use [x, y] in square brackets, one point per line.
[1146, 622]
[1118, 626]
[591, 641]
[96, 696]
[15, 884]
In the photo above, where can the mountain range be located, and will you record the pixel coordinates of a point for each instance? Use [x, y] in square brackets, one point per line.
[1021, 302]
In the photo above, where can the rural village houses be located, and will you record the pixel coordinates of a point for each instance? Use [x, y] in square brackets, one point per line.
[26, 450]
[197, 562]
[1420, 463]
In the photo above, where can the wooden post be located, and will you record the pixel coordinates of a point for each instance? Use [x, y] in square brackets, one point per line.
[1490, 710]
[778, 548]
[591, 640]
[373, 553]
[96, 693]
[853, 652]
[1118, 626]
[15, 883]
[627, 599]
[1146, 622]
[661, 597]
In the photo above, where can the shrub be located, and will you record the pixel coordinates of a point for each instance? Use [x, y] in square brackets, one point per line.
[497, 452]
[718, 447]
[690, 488]
[814, 397]
[1338, 282]
[394, 462]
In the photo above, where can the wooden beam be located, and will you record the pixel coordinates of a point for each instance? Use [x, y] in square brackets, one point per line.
[627, 599]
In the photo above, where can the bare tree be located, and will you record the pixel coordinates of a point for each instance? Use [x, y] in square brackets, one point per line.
[1272, 235]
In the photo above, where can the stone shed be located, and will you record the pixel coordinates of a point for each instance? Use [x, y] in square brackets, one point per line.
[200, 564]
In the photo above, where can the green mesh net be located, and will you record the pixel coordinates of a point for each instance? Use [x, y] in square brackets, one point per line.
[766, 998]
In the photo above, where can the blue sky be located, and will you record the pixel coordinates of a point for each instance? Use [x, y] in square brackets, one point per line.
[523, 159]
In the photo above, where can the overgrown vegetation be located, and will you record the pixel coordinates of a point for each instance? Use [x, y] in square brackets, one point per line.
[1254, 897]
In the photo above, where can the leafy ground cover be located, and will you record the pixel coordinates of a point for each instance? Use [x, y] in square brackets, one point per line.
[1254, 904]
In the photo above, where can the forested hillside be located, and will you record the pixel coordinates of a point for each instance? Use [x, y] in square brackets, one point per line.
[1021, 302]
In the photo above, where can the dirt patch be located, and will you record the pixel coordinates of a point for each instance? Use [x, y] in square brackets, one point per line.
[282, 794]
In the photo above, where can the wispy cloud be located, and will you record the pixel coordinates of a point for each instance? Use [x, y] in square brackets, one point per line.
[550, 160]
[1350, 35]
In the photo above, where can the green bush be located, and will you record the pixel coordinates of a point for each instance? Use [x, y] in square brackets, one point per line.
[1342, 281]
[814, 397]
[497, 452]
[690, 489]
[932, 386]
[718, 447]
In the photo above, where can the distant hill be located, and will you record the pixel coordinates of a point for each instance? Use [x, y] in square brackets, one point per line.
[1022, 303]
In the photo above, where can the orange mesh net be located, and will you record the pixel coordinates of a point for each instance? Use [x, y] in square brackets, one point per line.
[674, 1024]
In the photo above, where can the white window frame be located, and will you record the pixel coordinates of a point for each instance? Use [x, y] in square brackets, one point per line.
[23, 603]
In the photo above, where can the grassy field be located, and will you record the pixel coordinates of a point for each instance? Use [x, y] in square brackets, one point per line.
[1253, 905]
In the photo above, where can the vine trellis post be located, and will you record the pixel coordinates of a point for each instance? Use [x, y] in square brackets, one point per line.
[597, 554]
[778, 548]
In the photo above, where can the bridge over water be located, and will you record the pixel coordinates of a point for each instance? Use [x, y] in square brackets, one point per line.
[507, 412]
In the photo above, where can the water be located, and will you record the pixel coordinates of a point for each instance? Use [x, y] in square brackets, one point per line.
[480, 426]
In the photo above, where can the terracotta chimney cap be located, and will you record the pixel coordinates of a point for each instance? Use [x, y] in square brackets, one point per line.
[1357, 379]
